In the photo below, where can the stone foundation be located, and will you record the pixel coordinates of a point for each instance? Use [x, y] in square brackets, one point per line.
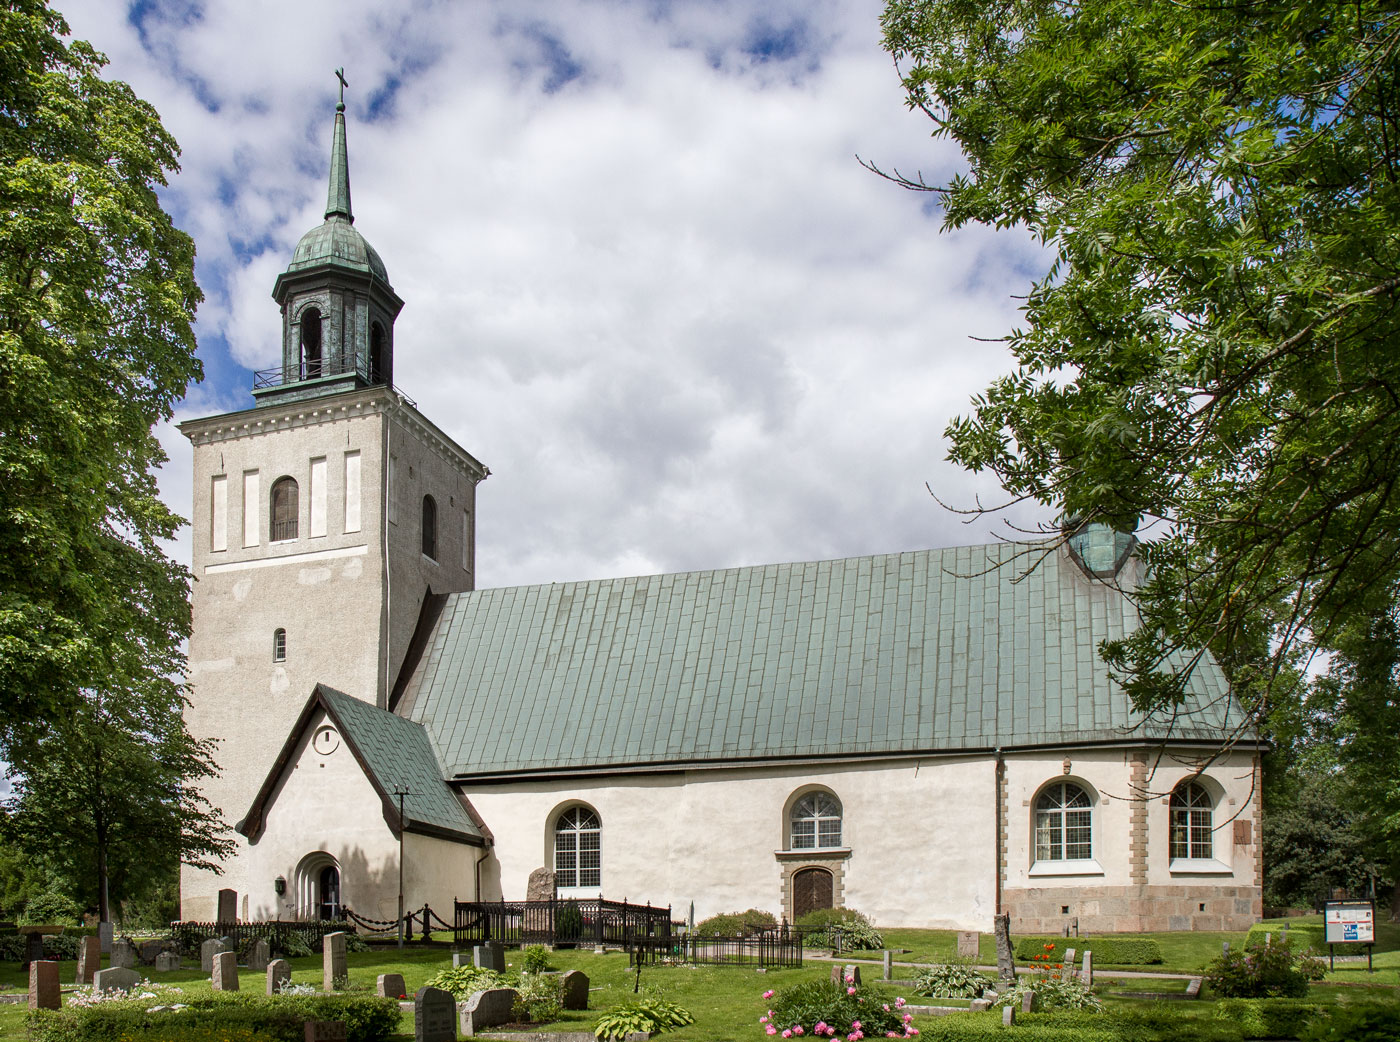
[1129, 909]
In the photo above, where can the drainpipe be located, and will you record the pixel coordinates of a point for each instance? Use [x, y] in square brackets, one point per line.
[998, 774]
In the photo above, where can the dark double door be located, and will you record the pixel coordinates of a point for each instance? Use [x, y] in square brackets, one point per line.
[811, 889]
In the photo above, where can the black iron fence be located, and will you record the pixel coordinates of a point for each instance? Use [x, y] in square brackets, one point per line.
[277, 933]
[281, 375]
[775, 948]
[560, 923]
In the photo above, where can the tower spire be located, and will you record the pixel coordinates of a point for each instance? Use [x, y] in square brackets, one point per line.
[338, 195]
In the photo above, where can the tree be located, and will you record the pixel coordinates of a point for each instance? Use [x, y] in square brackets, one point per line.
[1212, 355]
[97, 296]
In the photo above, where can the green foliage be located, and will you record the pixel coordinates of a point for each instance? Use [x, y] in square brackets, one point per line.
[651, 1015]
[1212, 348]
[736, 924]
[1108, 951]
[367, 1018]
[1314, 842]
[539, 998]
[154, 908]
[954, 980]
[1266, 1018]
[294, 946]
[1303, 935]
[818, 1005]
[1053, 990]
[1270, 970]
[49, 906]
[568, 922]
[462, 981]
[1372, 1021]
[856, 931]
[534, 958]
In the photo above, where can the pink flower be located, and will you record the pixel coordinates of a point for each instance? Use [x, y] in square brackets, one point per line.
[768, 994]
[909, 1032]
[850, 978]
[797, 1029]
[887, 1007]
[891, 1034]
[763, 1020]
[899, 1002]
[770, 1029]
[908, 1017]
[850, 991]
[820, 1029]
[787, 1032]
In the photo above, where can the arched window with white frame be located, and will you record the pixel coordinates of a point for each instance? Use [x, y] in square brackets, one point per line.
[1192, 823]
[816, 822]
[578, 849]
[1064, 823]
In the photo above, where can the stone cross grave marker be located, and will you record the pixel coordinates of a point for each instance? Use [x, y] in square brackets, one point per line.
[434, 1016]
[575, 989]
[278, 974]
[116, 978]
[332, 960]
[968, 944]
[226, 972]
[123, 954]
[228, 907]
[89, 958]
[390, 986]
[167, 961]
[487, 1009]
[259, 955]
[43, 984]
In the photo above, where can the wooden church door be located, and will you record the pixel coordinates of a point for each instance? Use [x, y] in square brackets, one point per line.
[811, 889]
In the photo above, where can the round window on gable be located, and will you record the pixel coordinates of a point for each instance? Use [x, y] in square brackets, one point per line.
[279, 645]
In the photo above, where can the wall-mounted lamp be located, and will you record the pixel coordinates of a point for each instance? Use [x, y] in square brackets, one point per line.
[280, 885]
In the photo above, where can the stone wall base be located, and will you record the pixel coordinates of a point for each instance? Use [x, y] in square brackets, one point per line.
[1129, 909]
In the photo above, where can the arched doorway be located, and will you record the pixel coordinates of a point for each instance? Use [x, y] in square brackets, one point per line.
[328, 887]
[811, 889]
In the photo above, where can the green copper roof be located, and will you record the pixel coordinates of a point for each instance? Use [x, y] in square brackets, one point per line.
[933, 650]
[338, 193]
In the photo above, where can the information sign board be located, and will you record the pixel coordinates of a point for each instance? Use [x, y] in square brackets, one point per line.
[1349, 922]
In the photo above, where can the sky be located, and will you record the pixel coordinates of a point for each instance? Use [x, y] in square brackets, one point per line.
[647, 281]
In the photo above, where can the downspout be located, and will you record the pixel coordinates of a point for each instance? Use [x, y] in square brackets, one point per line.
[383, 700]
[998, 774]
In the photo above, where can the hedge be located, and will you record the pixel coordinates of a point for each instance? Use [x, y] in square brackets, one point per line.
[1304, 935]
[279, 1018]
[1108, 951]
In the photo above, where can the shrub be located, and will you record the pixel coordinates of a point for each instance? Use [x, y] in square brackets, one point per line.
[539, 998]
[293, 946]
[1108, 951]
[857, 934]
[1263, 971]
[824, 1009]
[462, 981]
[52, 907]
[1266, 1018]
[534, 959]
[568, 922]
[954, 980]
[1374, 1022]
[736, 924]
[1053, 991]
[650, 1015]
[1308, 933]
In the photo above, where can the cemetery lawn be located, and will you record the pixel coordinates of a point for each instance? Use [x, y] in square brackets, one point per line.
[1182, 951]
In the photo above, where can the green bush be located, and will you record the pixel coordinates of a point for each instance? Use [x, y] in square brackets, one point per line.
[1270, 970]
[650, 1015]
[1053, 991]
[1108, 951]
[1372, 1021]
[462, 981]
[825, 1008]
[50, 906]
[367, 1018]
[568, 923]
[293, 946]
[736, 924]
[953, 980]
[539, 998]
[857, 933]
[1267, 1018]
[1307, 933]
[534, 958]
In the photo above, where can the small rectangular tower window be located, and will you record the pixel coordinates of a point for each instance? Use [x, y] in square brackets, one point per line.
[352, 492]
[218, 513]
[318, 496]
[252, 516]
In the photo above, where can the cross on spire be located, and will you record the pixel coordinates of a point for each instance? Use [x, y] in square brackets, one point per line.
[340, 75]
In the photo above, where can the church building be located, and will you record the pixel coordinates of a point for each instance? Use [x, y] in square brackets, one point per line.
[928, 737]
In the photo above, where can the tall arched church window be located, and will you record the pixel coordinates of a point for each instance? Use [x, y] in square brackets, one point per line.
[1193, 820]
[310, 343]
[279, 645]
[328, 890]
[282, 504]
[1064, 824]
[578, 849]
[429, 527]
[816, 822]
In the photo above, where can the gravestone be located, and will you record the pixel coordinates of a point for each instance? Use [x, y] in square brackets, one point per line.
[278, 974]
[1029, 1001]
[116, 978]
[434, 1016]
[888, 961]
[1224, 947]
[207, 951]
[980, 1005]
[123, 954]
[89, 959]
[167, 961]
[1008, 1016]
[332, 960]
[228, 907]
[259, 955]
[968, 941]
[33, 948]
[148, 950]
[105, 933]
[43, 984]
[541, 885]
[575, 989]
[487, 1009]
[1069, 963]
[1006, 955]
[460, 959]
[851, 974]
[324, 1031]
[391, 986]
[1087, 973]
[1193, 988]
[490, 956]
[226, 972]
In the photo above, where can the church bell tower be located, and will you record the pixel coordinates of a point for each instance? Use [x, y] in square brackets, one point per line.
[326, 518]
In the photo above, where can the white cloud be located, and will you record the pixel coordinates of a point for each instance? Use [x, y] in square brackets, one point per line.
[646, 280]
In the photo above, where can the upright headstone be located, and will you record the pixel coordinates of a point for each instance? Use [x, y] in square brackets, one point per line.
[123, 954]
[541, 885]
[278, 974]
[1087, 974]
[105, 933]
[1193, 988]
[116, 978]
[390, 986]
[1224, 947]
[1006, 955]
[888, 959]
[1029, 1001]
[1068, 964]
[575, 989]
[147, 951]
[228, 907]
[332, 960]
[89, 959]
[968, 944]
[226, 971]
[207, 951]
[980, 1005]
[33, 948]
[460, 959]
[487, 1009]
[490, 956]
[851, 974]
[43, 984]
[434, 1016]
[167, 962]
[259, 955]
[1008, 1016]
